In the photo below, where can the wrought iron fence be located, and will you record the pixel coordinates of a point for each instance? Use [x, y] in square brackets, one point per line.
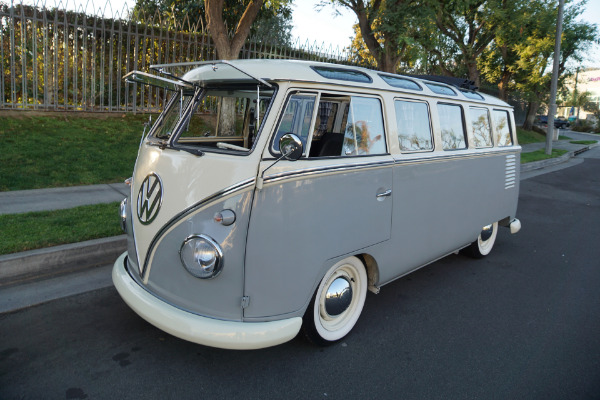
[56, 59]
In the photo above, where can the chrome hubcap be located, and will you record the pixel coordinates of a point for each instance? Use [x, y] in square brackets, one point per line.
[338, 297]
[487, 232]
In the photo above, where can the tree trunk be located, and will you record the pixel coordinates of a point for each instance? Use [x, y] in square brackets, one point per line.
[228, 50]
[531, 113]
[226, 117]
[473, 72]
[387, 63]
[503, 85]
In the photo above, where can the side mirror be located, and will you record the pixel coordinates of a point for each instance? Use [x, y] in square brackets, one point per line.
[291, 147]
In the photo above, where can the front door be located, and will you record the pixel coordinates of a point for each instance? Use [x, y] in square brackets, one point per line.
[331, 203]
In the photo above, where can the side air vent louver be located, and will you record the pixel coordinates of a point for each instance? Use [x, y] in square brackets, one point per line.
[511, 172]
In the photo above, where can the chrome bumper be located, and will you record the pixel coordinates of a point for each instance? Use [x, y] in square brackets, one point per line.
[196, 328]
[515, 226]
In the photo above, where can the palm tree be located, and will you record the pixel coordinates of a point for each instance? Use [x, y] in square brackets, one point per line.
[577, 99]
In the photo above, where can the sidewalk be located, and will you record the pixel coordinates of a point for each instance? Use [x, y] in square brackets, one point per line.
[572, 150]
[559, 144]
[22, 274]
[21, 201]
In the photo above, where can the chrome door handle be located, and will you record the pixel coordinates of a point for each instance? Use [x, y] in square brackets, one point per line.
[387, 193]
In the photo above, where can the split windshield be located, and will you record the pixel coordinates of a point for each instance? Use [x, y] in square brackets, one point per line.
[223, 119]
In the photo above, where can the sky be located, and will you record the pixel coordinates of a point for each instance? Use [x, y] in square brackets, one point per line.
[323, 26]
[315, 26]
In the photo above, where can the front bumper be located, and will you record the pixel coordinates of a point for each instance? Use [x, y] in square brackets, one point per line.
[196, 328]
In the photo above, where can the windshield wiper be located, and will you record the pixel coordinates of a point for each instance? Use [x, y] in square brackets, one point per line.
[195, 152]
[165, 144]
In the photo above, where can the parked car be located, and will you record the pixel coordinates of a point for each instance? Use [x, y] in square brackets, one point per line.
[559, 122]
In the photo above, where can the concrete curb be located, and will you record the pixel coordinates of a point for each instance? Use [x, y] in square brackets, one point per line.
[532, 166]
[50, 261]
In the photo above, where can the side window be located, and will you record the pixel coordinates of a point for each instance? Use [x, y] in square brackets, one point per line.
[414, 130]
[326, 116]
[452, 127]
[482, 130]
[502, 128]
[296, 118]
[364, 134]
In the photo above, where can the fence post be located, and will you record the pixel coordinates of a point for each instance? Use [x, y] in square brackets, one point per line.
[84, 34]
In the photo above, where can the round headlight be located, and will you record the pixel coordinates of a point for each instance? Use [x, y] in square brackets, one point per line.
[201, 256]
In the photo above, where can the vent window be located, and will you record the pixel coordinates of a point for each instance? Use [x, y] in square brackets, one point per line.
[472, 95]
[441, 89]
[343, 74]
[398, 82]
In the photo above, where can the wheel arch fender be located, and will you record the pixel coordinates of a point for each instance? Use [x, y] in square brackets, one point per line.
[372, 268]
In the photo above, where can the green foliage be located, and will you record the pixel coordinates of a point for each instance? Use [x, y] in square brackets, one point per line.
[36, 230]
[467, 27]
[520, 25]
[574, 98]
[533, 54]
[385, 36]
[585, 126]
[592, 107]
[274, 21]
[68, 150]
[507, 43]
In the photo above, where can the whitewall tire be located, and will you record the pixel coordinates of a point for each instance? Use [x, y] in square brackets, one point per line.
[484, 243]
[337, 302]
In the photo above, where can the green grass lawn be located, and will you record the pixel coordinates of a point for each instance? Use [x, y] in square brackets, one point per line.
[67, 150]
[540, 155]
[34, 230]
[526, 137]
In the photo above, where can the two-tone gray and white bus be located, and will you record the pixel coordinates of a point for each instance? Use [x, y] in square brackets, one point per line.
[270, 195]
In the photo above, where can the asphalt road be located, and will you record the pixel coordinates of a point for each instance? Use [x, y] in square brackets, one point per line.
[523, 323]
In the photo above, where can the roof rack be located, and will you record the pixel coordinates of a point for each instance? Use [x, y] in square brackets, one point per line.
[460, 83]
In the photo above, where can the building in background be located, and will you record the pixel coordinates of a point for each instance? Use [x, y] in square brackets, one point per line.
[584, 80]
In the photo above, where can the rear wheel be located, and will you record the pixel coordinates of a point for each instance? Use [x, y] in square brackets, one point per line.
[484, 243]
[337, 303]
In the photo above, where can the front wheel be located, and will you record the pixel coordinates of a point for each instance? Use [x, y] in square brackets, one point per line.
[484, 243]
[337, 303]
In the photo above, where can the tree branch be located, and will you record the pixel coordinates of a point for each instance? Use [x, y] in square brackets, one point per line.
[243, 28]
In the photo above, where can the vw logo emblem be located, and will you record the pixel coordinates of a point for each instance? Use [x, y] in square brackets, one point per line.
[149, 199]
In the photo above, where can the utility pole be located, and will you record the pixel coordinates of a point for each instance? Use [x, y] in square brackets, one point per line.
[554, 84]
[576, 94]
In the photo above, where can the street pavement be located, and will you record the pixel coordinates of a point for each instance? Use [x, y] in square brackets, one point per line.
[521, 323]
